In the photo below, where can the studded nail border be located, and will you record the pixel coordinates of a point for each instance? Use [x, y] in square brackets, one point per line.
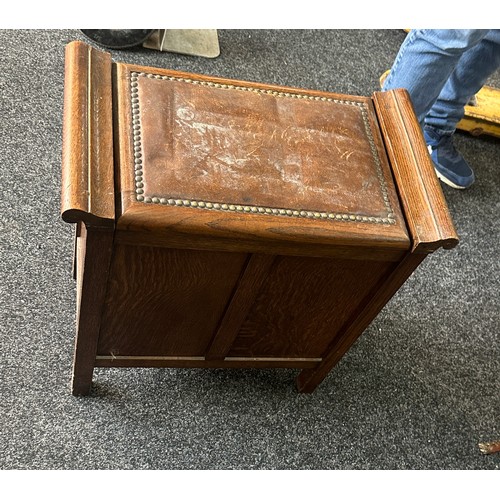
[229, 207]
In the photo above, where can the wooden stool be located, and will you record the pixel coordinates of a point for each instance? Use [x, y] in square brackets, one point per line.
[234, 224]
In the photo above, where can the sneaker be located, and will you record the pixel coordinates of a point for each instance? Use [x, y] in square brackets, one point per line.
[449, 164]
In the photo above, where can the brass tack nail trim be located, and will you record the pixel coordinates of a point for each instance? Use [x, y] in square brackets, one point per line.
[209, 205]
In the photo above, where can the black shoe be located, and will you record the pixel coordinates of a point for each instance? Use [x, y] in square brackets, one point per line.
[118, 39]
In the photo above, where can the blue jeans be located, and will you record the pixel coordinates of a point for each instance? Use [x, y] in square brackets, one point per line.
[442, 70]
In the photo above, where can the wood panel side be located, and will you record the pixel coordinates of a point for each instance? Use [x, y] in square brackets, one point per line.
[303, 305]
[166, 302]
[425, 207]
[375, 299]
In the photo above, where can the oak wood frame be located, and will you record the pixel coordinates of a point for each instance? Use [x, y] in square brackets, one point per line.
[88, 199]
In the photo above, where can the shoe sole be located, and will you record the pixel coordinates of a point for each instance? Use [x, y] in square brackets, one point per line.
[447, 181]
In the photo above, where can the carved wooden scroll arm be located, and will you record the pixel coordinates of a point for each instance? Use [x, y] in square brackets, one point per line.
[423, 202]
[87, 191]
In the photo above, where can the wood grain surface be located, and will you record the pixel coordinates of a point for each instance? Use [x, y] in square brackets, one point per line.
[303, 304]
[164, 301]
[424, 204]
[87, 191]
[223, 223]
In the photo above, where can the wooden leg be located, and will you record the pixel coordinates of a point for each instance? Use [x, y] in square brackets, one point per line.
[308, 379]
[93, 261]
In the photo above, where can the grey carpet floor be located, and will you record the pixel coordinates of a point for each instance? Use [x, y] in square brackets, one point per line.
[419, 390]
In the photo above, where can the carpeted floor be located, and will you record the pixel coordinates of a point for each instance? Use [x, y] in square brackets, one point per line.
[419, 390]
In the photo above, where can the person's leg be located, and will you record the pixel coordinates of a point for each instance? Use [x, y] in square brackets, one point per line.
[472, 71]
[425, 61]
[426, 66]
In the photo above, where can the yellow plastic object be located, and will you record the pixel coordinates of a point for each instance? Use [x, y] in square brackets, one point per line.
[482, 117]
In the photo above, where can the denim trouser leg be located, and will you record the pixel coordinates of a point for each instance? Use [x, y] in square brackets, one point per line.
[471, 73]
[425, 62]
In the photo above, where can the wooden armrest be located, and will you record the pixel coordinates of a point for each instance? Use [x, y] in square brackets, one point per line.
[422, 198]
[87, 191]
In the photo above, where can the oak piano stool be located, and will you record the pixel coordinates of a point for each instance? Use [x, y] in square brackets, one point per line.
[224, 223]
